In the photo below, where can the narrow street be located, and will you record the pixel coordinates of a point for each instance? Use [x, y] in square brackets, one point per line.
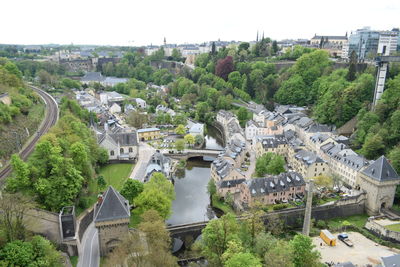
[145, 153]
[89, 252]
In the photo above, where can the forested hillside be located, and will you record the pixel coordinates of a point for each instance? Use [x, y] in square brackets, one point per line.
[62, 163]
[20, 118]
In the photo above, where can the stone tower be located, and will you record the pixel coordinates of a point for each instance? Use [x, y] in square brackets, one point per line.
[111, 218]
[379, 181]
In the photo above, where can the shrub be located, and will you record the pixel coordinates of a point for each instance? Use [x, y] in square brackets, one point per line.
[280, 206]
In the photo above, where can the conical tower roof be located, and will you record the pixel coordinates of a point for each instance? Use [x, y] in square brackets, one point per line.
[114, 206]
[381, 170]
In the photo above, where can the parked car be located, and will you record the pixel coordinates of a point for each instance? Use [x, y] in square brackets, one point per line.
[345, 239]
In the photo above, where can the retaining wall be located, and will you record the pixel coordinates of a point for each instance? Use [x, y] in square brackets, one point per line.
[83, 221]
[381, 231]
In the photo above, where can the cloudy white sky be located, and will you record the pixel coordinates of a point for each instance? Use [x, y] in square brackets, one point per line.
[133, 22]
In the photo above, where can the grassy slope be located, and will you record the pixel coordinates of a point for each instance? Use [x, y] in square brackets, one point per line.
[8, 136]
[114, 175]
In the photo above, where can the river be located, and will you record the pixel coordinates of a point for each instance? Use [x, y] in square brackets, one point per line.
[192, 203]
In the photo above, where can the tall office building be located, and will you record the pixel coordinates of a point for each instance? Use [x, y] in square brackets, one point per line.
[364, 42]
[368, 43]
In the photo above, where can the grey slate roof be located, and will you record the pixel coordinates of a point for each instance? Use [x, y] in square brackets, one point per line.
[308, 157]
[277, 183]
[93, 77]
[230, 183]
[391, 261]
[381, 170]
[125, 139]
[113, 207]
[272, 141]
[334, 37]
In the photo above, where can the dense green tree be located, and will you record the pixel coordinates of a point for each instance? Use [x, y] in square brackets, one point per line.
[215, 238]
[37, 252]
[270, 163]
[373, 146]
[279, 255]
[20, 179]
[101, 182]
[292, 91]
[303, 252]
[243, 259]
[180, 144]
[211, 187]
[181, 130]
[131, 189]
[176, 54]
[394, 157]
[189, 139]
[243, 116]
[351, 75]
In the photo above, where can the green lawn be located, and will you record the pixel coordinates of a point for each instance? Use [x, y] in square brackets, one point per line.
[356, 220]
[114, 175]
[393, 227]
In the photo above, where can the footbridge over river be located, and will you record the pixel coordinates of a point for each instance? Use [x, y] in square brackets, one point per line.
[192, 153]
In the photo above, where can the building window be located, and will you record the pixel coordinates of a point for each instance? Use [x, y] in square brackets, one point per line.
[130, 150]
[112, 152]
[121, 150]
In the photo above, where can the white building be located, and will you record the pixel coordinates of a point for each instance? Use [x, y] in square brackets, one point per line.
[115, 108]
[140, 103]
[197, 129]
[388, 42]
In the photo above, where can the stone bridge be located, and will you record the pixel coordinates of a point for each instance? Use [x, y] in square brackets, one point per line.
[292, 217]
[192, 153]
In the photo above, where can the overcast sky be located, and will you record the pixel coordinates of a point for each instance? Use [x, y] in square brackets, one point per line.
[133, 22]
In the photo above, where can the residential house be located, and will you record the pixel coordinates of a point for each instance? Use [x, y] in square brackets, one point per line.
[115, 108]
[271, 190]
[236, 150]
[308, 164]
[110, 97]
[140, 103]
[147, 134]
[163, 109]
[270, 143]
[197, 129]
[112, 81]
[229, 186]
[343, 162]
[158, 163]
[223, 169]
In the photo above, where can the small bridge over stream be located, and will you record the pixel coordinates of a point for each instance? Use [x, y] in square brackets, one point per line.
[192, 153]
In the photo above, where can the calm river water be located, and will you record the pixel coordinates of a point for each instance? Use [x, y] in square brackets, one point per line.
[192, 203]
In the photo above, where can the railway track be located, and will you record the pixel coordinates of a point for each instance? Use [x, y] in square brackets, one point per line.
[51, 117]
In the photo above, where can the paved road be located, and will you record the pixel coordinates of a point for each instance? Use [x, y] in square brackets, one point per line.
[50, 119]
[89, 253]
[145, 153]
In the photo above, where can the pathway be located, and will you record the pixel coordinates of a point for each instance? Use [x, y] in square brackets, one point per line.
[145, 153]
[89, 252]
[252, 166]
